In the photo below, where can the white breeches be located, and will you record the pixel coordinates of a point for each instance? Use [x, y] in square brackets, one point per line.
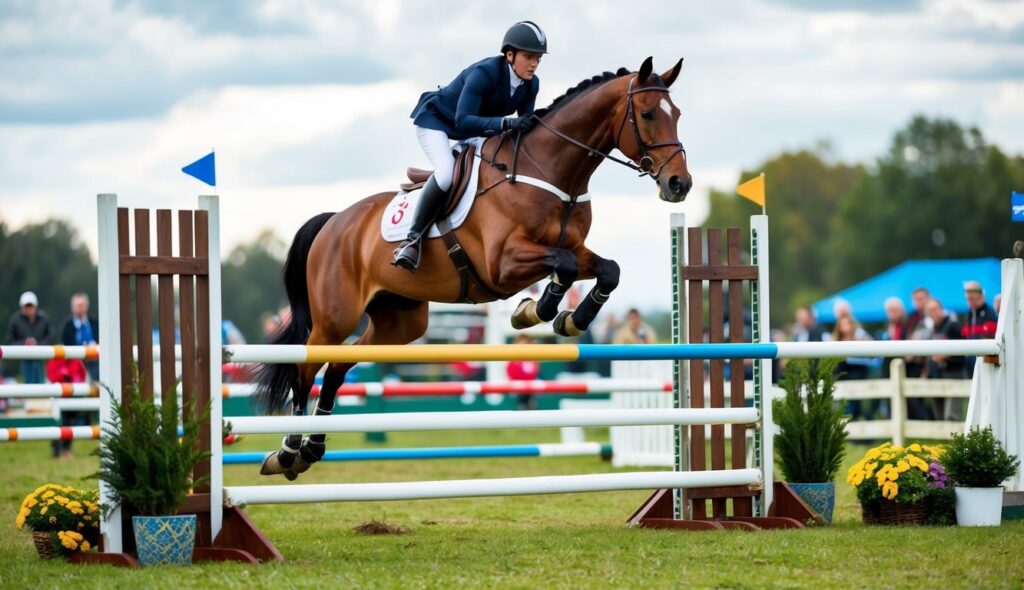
[438, 149]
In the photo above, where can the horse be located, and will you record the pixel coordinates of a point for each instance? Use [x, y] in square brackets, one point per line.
[517, 233]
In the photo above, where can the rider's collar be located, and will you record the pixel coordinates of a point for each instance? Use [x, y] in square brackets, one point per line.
[514, 80]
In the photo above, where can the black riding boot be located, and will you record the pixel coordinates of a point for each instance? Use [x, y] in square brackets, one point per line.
[407, 255]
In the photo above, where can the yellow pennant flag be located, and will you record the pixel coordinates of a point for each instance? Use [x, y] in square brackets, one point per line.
[753, 189]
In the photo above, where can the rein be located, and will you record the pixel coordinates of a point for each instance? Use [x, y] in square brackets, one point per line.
[646, 161]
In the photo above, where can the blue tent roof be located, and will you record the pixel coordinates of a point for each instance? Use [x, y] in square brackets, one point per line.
[944, 279]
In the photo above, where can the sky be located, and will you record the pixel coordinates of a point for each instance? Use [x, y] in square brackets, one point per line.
[307, 101]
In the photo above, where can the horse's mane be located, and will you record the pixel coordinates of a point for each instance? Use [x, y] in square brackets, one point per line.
[583, 87]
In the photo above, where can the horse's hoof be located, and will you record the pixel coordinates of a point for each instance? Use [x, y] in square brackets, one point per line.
[272, 465]
[525, 315]
[564, 326]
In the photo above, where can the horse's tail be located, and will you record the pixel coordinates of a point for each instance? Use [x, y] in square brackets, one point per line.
[274, 381]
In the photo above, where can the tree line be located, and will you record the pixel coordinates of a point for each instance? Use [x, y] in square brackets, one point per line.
[939, 191]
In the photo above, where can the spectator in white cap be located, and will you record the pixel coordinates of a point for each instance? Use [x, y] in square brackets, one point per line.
[29, 326]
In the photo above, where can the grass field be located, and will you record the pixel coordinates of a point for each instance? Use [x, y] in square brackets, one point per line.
[568, 541]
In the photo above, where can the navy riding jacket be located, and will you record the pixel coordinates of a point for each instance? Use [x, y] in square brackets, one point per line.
[475, 102]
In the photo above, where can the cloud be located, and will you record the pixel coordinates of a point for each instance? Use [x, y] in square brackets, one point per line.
[307, 102]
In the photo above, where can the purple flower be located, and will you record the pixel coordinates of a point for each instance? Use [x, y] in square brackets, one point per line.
[937, 476]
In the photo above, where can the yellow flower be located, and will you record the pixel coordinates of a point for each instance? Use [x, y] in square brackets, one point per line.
[902, 466]
[884, 445]
[20, 521]
[858, 478]
[914, 448]
[890, 489]
[43, 511]
[61, 499]
[898, 449]
[887, 456]
[86, 517]
[49, 494]
[67, 540]
[32, 502]
[869, 469]
[85, 546]
[872, 454]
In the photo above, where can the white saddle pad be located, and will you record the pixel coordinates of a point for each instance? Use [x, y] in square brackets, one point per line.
[397, 218]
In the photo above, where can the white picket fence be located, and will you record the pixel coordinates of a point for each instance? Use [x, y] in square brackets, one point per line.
[650, 446]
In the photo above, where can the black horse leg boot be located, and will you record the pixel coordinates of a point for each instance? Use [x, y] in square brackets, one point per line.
[432, 199]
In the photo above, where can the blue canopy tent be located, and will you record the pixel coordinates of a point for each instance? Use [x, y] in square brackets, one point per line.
[944, 279]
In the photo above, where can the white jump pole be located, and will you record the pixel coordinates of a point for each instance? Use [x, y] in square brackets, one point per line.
[518, 486]
[110, 374]
[433, 421]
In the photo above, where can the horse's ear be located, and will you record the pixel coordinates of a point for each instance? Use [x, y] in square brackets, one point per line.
[670, 76]
[645, 71]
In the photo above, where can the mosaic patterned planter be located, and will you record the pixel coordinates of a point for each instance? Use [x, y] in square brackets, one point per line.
[821, 497]
[165, 540]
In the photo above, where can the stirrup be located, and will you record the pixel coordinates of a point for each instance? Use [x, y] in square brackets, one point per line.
[403, 259]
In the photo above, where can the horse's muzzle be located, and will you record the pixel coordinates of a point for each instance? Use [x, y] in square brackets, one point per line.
[675, 188]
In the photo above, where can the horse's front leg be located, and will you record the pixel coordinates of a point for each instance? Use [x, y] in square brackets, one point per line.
[525, 260]
[575, 322]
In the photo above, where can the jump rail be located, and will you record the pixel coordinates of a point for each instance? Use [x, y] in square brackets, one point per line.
[471, 488]
[432, 421]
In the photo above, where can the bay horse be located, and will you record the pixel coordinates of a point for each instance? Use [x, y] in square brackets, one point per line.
[517, 233]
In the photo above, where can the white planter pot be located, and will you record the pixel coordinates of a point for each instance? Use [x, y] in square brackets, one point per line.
[979, 506]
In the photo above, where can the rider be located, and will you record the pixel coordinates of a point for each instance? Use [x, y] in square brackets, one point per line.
[475, 104]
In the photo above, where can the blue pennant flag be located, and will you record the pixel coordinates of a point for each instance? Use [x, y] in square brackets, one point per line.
[1017, 207]
[203, 169]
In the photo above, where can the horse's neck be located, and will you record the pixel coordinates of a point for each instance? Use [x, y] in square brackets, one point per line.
[587, 120]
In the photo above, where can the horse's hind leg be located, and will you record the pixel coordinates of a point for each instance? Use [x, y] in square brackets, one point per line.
[283, 461]
[393, 320]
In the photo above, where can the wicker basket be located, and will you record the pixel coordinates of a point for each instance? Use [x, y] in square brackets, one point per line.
[45, 544]
[890, 512]
[869, 513]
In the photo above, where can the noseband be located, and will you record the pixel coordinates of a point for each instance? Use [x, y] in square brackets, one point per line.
[646, 166]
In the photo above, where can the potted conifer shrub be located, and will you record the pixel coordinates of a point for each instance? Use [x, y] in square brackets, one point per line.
[811, 440]
[978, 465]
[147, 466]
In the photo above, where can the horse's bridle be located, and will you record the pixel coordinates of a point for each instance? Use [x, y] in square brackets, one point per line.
[646, 165]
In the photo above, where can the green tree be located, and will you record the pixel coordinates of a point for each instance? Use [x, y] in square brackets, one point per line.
[939, 192]
[804, 190]
[252, 283]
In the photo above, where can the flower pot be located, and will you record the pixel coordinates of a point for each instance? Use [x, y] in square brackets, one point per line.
[45, 545]
[979, 506]
[821, 497]
[870, 513]
[165, 540]
[892, 512]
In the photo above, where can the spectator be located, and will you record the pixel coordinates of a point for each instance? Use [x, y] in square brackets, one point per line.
[919, 327]
[896, 328]
[635, 331]
[918, 320]
[848, 329]
[981, 319]
[270, 323]
[941, 366]
[29, 326]
[806, 328]
[524, 371]
[82, 329]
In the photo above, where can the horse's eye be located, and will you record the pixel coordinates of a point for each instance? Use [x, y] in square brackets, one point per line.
[649, 115]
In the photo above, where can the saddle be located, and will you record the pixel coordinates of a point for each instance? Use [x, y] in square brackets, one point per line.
[464, 161]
